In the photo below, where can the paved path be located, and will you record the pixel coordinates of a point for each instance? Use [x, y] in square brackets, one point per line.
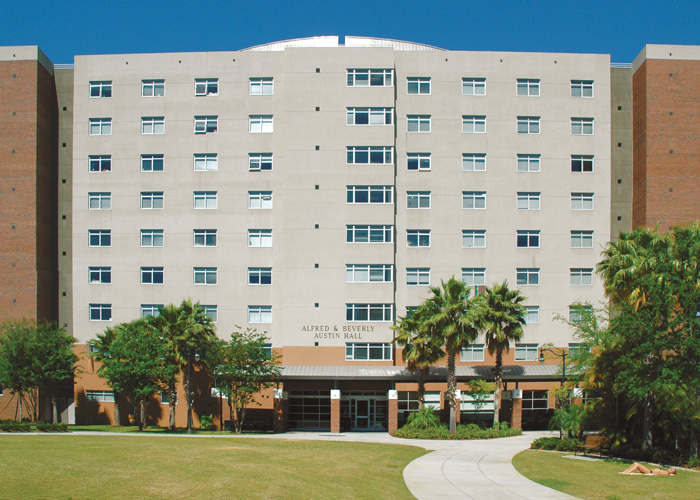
[472, 470]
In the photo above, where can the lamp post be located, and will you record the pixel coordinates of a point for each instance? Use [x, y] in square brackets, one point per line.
[561, 354]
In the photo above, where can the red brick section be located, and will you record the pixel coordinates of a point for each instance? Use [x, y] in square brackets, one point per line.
[516, 418]
[393, 417]
[667, 143]
[335, 415]
[280, 415]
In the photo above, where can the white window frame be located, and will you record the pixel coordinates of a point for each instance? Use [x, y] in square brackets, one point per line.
[473, 124]
[369, 116]
[260, 124]
[264, 85]
[100, 201]
[417, 276]
[418, 123]
[419, 162]
[152, 125]
[205, 276]
[100, 312]
[472, 353]
[206, 86]
[260, 200]
[260, 238]
[473, 162]
[206, 124]
[474, 86]
[259, 162]
[527, 352]
[369, 313]
[356, 154]
[527, 238]
[211, 310]
[582, 88]
[101, 89]
[102, 162]
[260, 276]
[259, 314]
[528, 163]
[582, 126]
[205, 238]
[206, 162]
[418, 200]
[474, 200]
[529, 87]
[152, 163]
[581, 276]
[581, 239]
[582, 201]
[582, 164]
[100, 275]
[369, 195]
[474, 276]
[418, 238]
[527, 276]
[100, 396]
[206, 200]
[528, 125]
[152, 198]
[369, 233]
[369, 273]
[528, 200]
[148, 310]
[364, 77]
[473, 238]
[153, 88]
[532, 315]
[418, 85]
[151, 275]
[100, 126]
[103, 237]
[368, 351]
[576, 312]
[153, 236]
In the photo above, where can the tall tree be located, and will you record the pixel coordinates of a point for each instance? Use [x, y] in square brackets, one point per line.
[501, 316]
[17, 359]
[447, 318]
[101, 351]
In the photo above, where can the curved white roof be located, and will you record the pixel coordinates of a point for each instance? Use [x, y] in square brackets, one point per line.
[333, 41]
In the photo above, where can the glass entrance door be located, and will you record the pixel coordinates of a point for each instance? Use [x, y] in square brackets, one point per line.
[363, 413]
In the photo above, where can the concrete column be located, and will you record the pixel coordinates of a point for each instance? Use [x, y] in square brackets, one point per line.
[393, 411]
[280, 414]
[458, 398]
[335, 410]
[516, 418]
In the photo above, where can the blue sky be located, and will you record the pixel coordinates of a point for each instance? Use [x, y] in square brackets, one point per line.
[621, 28]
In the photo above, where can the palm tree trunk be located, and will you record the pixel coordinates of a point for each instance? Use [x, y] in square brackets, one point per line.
[142, 414]
[421, 388]
[498, 374]
[171, 408]
[647, 437]
[452, 387]
[117, 416]
[19, 401]
[693, 442]
[54, 406]
[189, 396]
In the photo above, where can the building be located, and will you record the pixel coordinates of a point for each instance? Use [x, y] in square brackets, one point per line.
[313, 190]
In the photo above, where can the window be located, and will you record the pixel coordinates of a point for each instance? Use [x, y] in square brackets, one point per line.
[528, 87]
[368, 312]
[205, 275]
[578, 348]
[474, 276]
[151, 200]
[205, 237]
[260, 199]
[370, 155]
[259, 161]
[370, 77]
[151, 237]
[259, 237]
[581, 88]
[528, 276]
[370, 194]
[418, 161]
[206, 162]
[528, 163]
[152, 125]
[369, 273]
[418, 199]
[581, 201]
[472, 352]
[418, 123]
[418, 85]
[100, 163]
[205, 200]
[355, 351]
[99, 201]
[212, 311]
[528, 201]
[473, 162]
[99, 90]
[473, 238]
[582, 126]
[262, 86]
[369, 116]
[259, 275]
[151, 275]
[206, 124]
[206, 86]
[100, 237]
[165, 398]
[526, 352]
[99, 275]
[473, 86]
[578, 312]
[528, 239]
[100, 312]
[151, 163]
[582, 163]
[260, 124]
[532, 315]
[100, 126]
[528, 124]
[148, 310]
[418, 237]
[535, 401]
[153, 88]
[581, 239]
[417, 276]
[473, 124]
[259, 314]
[100, 396]
[474, 200]
[358, 233]
[581, 276]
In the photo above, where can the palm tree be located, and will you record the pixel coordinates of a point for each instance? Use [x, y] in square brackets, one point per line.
[419, 350]
[501, 316]
[100, 351]
[447, 319]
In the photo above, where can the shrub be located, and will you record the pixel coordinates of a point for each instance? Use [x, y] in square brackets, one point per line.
[469, 431]
[694, 463]
[568, 444]
[206, 422]
[50, 427]
[424, 418]
[545, 443]
[14, 426]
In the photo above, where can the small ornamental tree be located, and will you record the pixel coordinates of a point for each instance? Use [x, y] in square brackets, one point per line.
[244, 366]
[480, 391]
[16, 359]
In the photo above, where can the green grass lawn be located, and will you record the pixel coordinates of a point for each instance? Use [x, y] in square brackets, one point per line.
[172, 467]
[600, 479]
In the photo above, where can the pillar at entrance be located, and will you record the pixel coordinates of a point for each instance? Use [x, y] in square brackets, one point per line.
[393, 411]
[335, 410]
[280, 415]
[516, 418]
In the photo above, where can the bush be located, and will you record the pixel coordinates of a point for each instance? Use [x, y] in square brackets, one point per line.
[206, 423]
[694, 463]
[568, 444]
[49, 427]
[545, 443]
[424, 418]
[469, 431]
[14, 426]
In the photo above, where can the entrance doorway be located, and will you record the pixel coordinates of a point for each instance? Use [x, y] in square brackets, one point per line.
[363, 411]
